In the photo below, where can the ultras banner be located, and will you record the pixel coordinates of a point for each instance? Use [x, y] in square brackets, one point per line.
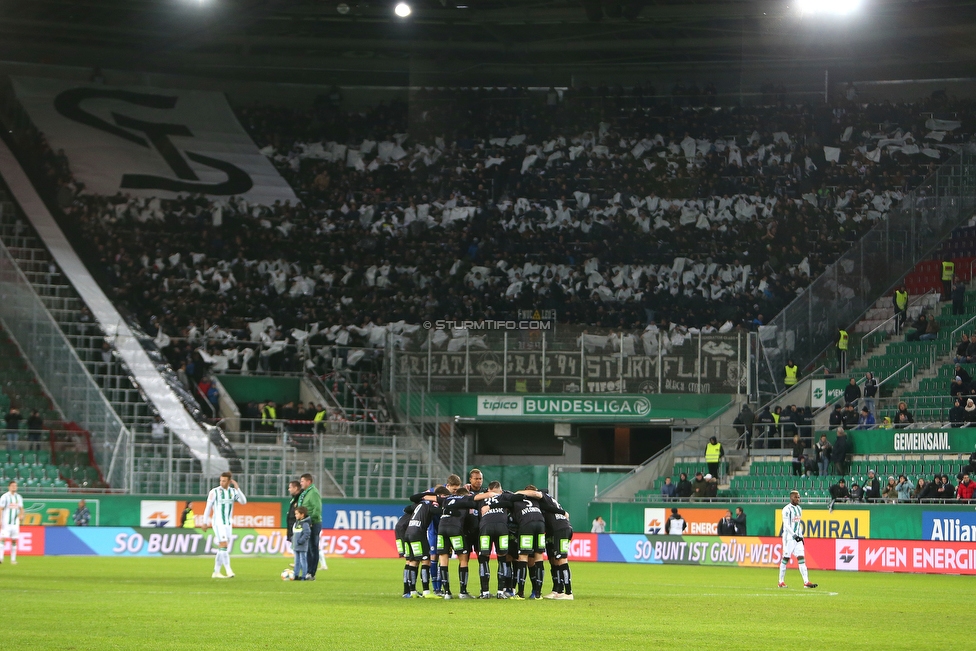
[151, 142]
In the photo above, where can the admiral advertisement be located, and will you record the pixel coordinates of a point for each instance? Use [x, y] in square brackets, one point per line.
[821, 523]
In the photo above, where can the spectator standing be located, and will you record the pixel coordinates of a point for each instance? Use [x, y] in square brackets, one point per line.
[312, 501]
[725, 526]
[599, 525]
[797, 456]
[668, 489]
[35, 425]
[675, 524]
[948, 273]
[958, 297]
[850, 417]
[791, 374]
[743, 426]
[839, 454]
[82, 516]
[870, 390]
[903, 416]
[740, 522]
[852, 392]
[823, 448]
[713, 455]
[948, 491]
[711, 486]
[842, 342]
[900, 302]
[295, 491]
[685, 489]
[13, 428]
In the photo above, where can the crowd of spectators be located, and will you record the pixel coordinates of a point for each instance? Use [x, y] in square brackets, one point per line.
[617, 213]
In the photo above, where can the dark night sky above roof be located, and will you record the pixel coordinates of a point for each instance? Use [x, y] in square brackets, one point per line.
[292, 39]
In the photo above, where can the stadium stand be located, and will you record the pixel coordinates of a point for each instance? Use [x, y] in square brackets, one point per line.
[589, 210]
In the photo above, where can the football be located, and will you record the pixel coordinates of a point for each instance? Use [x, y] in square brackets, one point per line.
[287, 575]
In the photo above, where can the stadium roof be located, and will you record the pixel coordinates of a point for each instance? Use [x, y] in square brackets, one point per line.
[485, 41]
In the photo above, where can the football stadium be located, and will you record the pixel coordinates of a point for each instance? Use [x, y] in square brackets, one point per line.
[318, 317]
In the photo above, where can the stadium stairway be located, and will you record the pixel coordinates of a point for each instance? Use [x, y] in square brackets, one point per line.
[57, 461]
[64, 304]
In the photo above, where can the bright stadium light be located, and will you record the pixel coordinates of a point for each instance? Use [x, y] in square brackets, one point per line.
[402, 10]
[831, 7]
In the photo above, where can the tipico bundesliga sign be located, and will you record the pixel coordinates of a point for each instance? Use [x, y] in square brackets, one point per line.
[614, 408]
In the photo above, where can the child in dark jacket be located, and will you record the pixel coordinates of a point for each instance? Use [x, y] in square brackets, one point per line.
[301, 533]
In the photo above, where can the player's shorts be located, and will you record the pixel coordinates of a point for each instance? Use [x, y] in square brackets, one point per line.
[10, 532]
[792, 548]
[417, 550]
[223, 533]
[487, 541]
[532, 538]
[557, 546]
[447, 543]
[400, 548]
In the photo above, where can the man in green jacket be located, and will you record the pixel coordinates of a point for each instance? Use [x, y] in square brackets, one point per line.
[311, 499]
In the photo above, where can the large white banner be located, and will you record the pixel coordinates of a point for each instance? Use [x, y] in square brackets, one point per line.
[151, 141]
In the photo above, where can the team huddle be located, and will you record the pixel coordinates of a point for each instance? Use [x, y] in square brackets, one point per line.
[463, 520]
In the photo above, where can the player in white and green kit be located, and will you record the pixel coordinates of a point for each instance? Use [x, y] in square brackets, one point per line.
[11, 511]
[220, 515]
[793, 540]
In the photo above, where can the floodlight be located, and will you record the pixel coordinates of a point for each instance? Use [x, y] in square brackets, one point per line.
[831, 7]
[402, 10]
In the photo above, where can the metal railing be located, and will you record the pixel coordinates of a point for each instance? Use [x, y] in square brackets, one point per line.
[58, 366]
[849, 287]
[889, 326]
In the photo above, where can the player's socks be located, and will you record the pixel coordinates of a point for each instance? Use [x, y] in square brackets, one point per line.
[435, 577]
[803, 570]
[3, 549]
[445, 575]
[218, 561]
[484, 573]
[425, 577]
[229, 571]
[565, 579]
[782, 571]
[463, 579]
[13, 556]
[538, 576]
[407, 587]
[554, 572]
[521, 570]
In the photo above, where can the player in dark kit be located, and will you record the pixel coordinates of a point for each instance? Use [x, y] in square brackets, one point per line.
[451, 538]
[416, 542]
[559, 533]
[493, 532]
[526, 508]
[401, 528]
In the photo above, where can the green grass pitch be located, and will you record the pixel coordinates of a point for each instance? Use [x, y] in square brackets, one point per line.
[172, 603]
